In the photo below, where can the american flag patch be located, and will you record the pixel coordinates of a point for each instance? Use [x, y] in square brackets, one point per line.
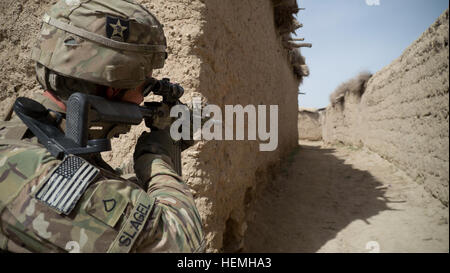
[64, 187]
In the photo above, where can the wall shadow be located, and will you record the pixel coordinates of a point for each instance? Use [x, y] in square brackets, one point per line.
[315, 197]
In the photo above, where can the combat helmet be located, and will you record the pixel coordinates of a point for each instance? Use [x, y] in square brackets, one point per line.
[114, 43]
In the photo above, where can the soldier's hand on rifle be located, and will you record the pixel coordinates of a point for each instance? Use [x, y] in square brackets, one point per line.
[151, 146]
[157, 142]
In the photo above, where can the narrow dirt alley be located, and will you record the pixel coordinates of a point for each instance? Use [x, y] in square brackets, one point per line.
[344, 199]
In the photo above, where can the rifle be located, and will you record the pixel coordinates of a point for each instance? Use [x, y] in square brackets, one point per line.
[83, 109]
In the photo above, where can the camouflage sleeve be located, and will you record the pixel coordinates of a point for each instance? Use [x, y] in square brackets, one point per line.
[175, 222]
[22, 165]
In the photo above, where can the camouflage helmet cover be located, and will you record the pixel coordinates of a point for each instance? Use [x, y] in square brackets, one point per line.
[114, 43]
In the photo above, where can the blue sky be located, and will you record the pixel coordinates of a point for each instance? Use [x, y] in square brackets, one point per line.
[349, 36]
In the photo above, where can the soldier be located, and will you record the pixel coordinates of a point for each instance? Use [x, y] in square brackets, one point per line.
[105, 48]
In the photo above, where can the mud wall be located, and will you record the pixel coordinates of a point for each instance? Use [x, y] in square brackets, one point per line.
[242, 62]
[309, 124]
[403, 112]
[229, 53]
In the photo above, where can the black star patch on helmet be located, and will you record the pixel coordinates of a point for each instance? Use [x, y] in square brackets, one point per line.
[117, 29]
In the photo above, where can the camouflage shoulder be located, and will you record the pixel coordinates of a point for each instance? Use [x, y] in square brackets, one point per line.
[109, 217]
[20, 162]
[20, 159]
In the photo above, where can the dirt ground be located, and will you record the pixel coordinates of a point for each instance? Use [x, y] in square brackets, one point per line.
[345, 199]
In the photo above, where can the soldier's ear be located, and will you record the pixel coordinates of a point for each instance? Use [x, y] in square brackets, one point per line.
[113, 93]
[133, 96]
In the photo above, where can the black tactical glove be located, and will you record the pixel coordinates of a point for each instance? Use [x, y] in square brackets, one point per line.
[151, 148]
[156, 142]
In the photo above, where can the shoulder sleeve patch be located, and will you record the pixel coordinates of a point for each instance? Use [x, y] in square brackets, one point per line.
[62, 189]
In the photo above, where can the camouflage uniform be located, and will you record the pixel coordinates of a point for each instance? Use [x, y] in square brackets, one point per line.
[113, 214]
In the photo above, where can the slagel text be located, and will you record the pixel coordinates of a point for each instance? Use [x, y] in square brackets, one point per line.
[137, 220]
